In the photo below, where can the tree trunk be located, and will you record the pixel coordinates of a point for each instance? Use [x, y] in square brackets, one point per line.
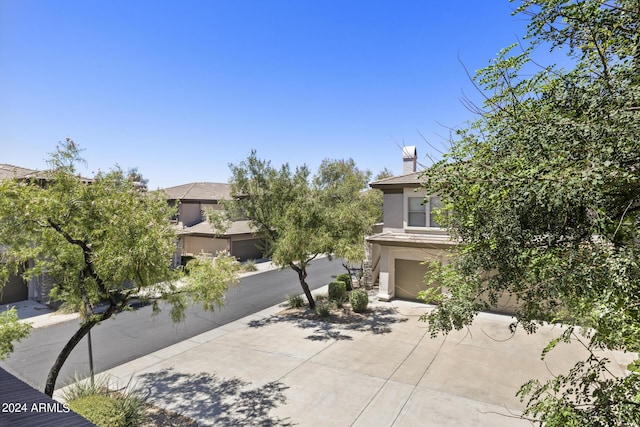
[302, 275]
[68, 348]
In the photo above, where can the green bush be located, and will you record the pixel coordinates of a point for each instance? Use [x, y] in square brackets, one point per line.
[249, 266]
[102, 410]
[323, 310]
[337, 291]
[103, 407]
[295, 301]
[359, 299]
[346, 278]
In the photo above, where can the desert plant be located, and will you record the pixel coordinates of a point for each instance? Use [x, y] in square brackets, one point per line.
[295, 301]
[337, 291]
[249, 266]
[323, 310]
[104, 407]
[346, 278]
[359, 299]
[321, 298]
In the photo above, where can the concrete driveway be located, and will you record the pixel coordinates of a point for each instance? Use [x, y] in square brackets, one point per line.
[382, 370]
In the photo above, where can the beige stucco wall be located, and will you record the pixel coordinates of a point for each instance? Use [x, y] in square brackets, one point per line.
[190, 214]
[195, 245]
[392, 211]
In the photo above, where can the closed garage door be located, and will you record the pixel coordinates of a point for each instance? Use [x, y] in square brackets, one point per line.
[409, 277]
[15, 290]
[246, 249]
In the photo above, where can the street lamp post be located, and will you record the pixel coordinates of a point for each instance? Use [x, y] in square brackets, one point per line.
[90, 357]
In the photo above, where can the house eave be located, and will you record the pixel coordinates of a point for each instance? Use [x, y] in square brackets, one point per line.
[441, 241]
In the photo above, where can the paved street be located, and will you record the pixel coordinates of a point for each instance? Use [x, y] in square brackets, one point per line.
[135, 334]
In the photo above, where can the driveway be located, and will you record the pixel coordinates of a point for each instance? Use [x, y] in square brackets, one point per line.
[380, 370]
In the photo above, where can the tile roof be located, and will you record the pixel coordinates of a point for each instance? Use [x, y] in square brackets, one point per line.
[204, 228]
[408, 180]
[199, 191]
[11, 171]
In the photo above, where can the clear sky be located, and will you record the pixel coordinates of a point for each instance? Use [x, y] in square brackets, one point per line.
[180, 89]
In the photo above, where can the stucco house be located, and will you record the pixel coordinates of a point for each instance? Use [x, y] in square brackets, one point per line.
[196, 236]
[409, 235]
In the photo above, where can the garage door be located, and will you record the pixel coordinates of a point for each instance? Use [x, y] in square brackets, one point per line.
[409, 277]
[15, 290]
[246, 249]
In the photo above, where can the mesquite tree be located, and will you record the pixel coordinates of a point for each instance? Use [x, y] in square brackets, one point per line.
[103, 242]
[301, 217]
[543, 195]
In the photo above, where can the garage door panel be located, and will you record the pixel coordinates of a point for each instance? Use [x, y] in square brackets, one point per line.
[409, 278]
[15, 290]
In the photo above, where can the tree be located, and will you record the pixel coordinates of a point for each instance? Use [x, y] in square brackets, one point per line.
[300, 217]
[352, 209]
[11, 329]
[543, 194]
[103, 242]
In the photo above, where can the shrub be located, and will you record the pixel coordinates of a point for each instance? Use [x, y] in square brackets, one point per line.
[295, 301]
[337, 291]
[346, 278]
[249, 266]
[323, 310]
[320, 298]
[359, 299]
[100, 409]
[103, 407]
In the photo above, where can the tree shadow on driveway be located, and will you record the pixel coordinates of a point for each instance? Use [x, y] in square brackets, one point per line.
[377, 320]
[214, 401]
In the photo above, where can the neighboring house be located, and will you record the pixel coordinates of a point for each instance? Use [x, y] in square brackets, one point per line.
[410, 237]
[38, 287]
[196, 235]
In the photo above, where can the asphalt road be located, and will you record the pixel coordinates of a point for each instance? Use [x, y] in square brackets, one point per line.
[134, 334]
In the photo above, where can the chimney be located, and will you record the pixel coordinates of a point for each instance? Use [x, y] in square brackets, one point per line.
[409, 159]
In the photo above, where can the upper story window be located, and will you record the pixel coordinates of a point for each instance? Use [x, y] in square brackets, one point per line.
[417, 214]
[419, 210]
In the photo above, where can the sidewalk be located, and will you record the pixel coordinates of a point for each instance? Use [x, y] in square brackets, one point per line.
[381, 370]
[39, 315]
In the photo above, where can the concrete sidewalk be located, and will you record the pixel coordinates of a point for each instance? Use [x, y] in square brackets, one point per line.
[383, 370]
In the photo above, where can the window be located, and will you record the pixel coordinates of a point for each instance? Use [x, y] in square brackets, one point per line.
[434, 204]
[417, 212]
[419, 209]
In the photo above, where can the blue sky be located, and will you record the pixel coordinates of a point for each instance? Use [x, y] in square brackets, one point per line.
[180, 89]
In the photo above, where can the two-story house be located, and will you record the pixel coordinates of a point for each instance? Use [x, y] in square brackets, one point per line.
[410, 234]
[410, 237]
[196, 236]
